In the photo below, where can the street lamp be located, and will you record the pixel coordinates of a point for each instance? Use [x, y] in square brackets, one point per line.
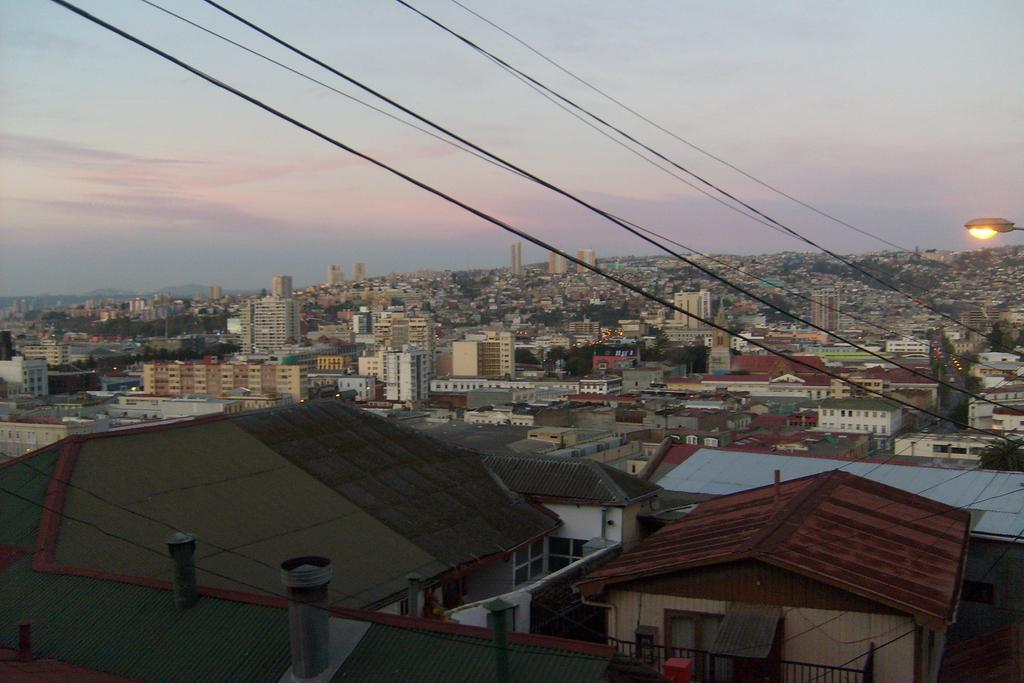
[987, 228]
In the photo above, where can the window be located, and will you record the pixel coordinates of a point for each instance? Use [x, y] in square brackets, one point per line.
[529, 562]
[563, 551]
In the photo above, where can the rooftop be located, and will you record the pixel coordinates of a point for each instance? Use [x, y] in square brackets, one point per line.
[829, 527]
[570, 479]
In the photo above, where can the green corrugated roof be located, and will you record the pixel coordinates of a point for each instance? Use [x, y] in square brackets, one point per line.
[29, 479]
[388, 654]
[137, 632]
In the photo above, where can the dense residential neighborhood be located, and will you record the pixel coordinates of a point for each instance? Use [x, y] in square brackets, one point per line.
[514, 470]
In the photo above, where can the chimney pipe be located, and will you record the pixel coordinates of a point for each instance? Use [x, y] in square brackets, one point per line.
[25, 641]
[500, 613]
[306, 579]
[414, 598]
[777, 489]
[182, 547]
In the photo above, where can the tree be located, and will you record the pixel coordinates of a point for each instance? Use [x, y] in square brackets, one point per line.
[526, 357]
[1006, 455]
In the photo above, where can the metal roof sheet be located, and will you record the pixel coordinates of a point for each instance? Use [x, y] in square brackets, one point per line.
[747, 630]
[574, 478]
[389, 654]
[721, 472]
[857, 535]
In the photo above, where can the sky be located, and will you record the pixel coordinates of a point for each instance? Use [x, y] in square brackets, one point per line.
[120, 170]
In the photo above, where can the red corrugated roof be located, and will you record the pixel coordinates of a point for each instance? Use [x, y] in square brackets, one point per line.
[880, 542]
[775, 365]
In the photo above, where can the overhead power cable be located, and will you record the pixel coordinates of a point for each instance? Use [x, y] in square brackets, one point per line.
[572, 197]
[487, 217]
[676, 136]
[851, 264]
[505, 167]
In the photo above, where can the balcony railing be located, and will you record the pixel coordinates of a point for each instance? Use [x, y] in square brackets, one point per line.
[715, 668]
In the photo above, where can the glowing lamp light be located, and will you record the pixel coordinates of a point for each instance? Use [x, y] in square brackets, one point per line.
[987, 228]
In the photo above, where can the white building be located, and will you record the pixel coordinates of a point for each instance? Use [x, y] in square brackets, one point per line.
[145, 407]
[980, 413]
[23, 435]
[406, 374]
[965, 446]
[270, 324]
[600, 384]
[25, 376]
[878, 417]
[907, 346]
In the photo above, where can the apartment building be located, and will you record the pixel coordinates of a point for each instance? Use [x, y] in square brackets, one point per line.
[218, 379]
[54, 352]
[270, 324]
[23, 435]
[492, 357]
[695, 303]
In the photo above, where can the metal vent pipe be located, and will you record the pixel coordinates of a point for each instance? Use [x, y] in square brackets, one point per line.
[306, 579]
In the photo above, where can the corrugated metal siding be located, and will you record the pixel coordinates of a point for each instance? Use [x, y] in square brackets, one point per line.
[29, 479]
[387, 654]
[137, 632]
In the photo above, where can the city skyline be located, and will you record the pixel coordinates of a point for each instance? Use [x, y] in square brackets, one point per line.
[90, 194]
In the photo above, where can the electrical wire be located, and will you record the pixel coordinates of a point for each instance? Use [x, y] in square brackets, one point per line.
[412, 180]
[517, 172]
[700, 179]
[674, 135]
[572, 197]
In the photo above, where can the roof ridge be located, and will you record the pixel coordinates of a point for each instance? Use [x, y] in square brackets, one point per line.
[612, 486]
[775, 531]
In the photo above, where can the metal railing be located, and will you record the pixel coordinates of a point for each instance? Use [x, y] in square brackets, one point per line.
[709, 667]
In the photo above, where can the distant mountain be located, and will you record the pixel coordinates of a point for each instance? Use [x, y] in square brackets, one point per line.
[188, 291]
[107, 294]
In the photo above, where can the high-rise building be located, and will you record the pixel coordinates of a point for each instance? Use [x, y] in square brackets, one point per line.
[720, 358]
[825, 308]
[492, 357]
[216, 293]
[362, 321]
[281, 286]
[406, 374]
[269, 324]
[695, 303]
[587, 256]
[358, 272]
[395, 329]
[335, 275]
[557, 264]
[517, 258]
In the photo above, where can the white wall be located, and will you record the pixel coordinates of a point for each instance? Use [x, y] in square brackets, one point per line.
[584, 521]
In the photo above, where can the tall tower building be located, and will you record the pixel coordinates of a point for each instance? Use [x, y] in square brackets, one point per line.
[698, 303]
[358, 272]
[281, 286]
[556, 264]
[270, 324]
[825, 308]
[215, 293]
[720, 358]
[587, 256]
[335, 275]
[517, 258]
